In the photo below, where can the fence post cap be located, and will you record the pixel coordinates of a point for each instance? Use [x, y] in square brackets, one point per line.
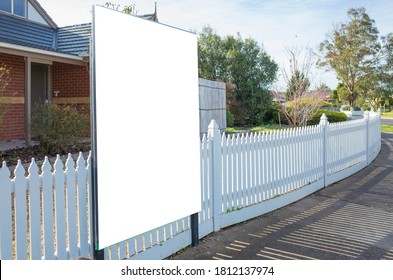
[323, 120]
[213, 125]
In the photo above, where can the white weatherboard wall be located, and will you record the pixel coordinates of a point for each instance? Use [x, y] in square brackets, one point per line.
[143, 72]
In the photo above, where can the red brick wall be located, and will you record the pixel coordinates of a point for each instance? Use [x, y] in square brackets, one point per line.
[72, 84]
[70, 80]
[13, 126]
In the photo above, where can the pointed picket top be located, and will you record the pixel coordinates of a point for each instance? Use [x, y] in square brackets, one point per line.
[19, 170]
[80, 162]
[33, 168]
[233, 141]
[259, 136]
[237, 138]
[228, 140]
[203, 141]
[4, 170]
[46, 167]
[246, 138]
[70, 164]
[223, 138]
[58, 163]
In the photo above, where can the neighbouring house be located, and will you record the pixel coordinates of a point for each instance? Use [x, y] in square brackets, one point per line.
[48, 63]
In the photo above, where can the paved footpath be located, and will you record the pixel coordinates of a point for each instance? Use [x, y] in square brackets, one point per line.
[351, 219]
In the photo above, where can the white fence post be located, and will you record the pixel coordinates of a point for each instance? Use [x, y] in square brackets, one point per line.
[215, 169]
[367, 123]
[324, 124]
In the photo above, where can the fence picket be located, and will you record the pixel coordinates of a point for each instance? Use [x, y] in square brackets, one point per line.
[264, 166]
[224, 153]
[59, 178]
[70, 175]
[5, 213]
[48, 209]
[81, 174]
[34, 211]
[20, 212]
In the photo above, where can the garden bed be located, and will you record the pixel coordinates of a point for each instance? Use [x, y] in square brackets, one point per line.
[25, 154]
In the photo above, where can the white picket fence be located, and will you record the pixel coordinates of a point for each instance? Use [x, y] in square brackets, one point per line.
[46, 214]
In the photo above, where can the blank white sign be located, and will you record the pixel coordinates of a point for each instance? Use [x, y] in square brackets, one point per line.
[147, 124]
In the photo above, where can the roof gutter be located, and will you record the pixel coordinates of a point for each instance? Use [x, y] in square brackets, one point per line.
[41, 54]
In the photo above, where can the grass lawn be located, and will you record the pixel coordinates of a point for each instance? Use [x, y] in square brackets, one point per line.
[253, 129]
[387, 128]
[387, 114]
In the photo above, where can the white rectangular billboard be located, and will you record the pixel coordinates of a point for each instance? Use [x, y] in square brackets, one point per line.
[146, 114]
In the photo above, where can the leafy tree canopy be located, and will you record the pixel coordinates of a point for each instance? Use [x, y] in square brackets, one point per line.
[358, 56]
[243, 63]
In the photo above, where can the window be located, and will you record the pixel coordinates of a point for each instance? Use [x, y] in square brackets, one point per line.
[5, 5]
[16, 7]
[20, 8]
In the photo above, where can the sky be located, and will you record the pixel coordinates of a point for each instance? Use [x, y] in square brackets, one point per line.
[274, 24]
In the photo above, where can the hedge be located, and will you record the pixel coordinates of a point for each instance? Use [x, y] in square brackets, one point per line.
[331, 116]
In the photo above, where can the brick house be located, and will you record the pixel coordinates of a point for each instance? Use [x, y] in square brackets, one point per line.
[48, 63]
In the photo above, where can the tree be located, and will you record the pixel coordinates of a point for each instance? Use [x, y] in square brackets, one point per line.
[386, 70]
[211, 56]
[243, 63]
[301, 103]
[353, 51]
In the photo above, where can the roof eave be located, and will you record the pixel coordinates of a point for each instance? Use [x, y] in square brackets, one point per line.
[50, 55]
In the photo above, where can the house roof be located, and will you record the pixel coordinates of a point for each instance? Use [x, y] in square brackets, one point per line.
[74, 39]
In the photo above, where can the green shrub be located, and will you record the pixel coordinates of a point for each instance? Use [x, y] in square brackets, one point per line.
[230, 119]
[346, 108]
[332, 117]
[274, 115]
[366, 107]
[328, 104]
[58, 127]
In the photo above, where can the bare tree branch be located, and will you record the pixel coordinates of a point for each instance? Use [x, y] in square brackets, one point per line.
[299, 103]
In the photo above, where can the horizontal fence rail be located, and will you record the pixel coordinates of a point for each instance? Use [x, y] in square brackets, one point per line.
[45, 212]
